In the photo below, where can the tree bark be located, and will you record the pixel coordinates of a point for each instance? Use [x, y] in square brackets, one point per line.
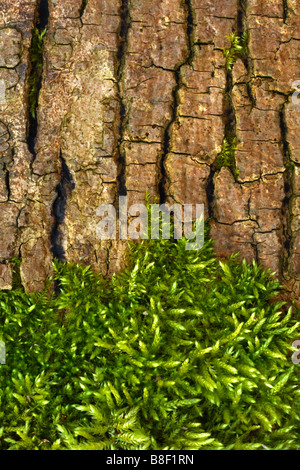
[135, 96]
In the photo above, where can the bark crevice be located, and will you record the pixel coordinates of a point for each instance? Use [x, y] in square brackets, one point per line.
[121, 58]
[285, 6]
[190, 35]
[36, 69]
[63, 190]
[82, 8]
[287, 208]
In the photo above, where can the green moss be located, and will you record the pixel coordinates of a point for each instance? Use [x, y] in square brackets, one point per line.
[180, 352]
[290, 166]
[36, 58]
[238, 48]
[227, 157]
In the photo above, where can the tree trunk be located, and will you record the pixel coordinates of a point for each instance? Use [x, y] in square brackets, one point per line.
[124, 96]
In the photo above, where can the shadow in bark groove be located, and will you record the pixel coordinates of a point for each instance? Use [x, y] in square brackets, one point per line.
[35, 79]
[121, 57]
[63, 189]
[190, 33]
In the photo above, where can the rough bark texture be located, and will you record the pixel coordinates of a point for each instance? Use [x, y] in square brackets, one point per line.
[135, 96]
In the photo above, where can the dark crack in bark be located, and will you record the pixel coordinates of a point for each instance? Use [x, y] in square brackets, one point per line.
[285, 5]
[43, 13]
[82, 8]
[63, 190]
[229, 112]
[35, 77]
[6, 161]
[121, 57]
[230, 138]
[7, 181]
[287, 208]
[121, 190]
[210, 192]
[190, 34]
[244, 31]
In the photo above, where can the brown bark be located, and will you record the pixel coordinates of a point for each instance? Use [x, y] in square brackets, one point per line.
[135, 96]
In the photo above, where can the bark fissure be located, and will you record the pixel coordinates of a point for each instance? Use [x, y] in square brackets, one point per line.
[7, 164]
[43, 13]
[63, 189]
[229, 111]
[7, 181]
[287, 208]
[285, 6]
[36, 68]
[190, 35]
[83, 8]
[227, 156]
[210, 192]
[121, 57]
[244, 32]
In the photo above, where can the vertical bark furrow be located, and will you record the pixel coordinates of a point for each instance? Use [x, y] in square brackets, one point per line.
[121, 55]
[36, 69]
[256, 222]
[83, 8]
[287, 212]
[167, 140]
[16, 24]
[63, 189]
[285, 7]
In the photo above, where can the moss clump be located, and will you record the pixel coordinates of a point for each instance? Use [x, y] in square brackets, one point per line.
[227, 157]
[238, 48]
[17, 282]
[180, 351]
[290, 166]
